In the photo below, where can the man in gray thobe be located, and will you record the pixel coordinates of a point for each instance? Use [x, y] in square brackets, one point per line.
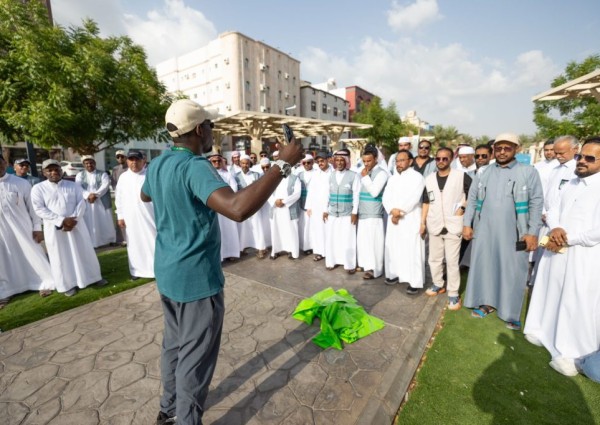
[505, 204]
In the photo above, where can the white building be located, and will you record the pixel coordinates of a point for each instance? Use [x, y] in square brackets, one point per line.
[317, 101]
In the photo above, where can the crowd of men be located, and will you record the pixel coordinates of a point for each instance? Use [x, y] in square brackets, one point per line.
[476, 208]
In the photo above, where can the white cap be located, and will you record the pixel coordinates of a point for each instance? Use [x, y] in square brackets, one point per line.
[244, 156]
[120, 152]
[404, 139]
[235, 153]
[508, 137]
[276, 153]
[466, 150]
[87, 157]
[308, 157]
[264, 161]
[50, 162]
[185, 115]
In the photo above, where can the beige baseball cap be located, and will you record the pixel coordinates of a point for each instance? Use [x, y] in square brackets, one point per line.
[508, 137]
[185, 114]
[50, 162]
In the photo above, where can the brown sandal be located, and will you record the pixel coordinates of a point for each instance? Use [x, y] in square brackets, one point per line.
[318, 257]
[368, 276]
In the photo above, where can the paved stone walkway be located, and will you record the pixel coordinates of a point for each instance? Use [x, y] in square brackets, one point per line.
[99, 363]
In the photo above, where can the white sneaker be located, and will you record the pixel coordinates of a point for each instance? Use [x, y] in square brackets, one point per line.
[534, 340]
[564, 365]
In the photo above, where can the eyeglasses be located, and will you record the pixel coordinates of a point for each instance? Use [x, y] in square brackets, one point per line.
[208, 123]
[590, 159]
[442, 159]
[120, 156]
[425, 147]
[503, 149]
[483, 155]
[215, 161]
[263, 155]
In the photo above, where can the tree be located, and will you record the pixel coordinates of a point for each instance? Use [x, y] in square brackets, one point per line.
[444, 136]
[71, 87]
[579, 117]
[387, 125]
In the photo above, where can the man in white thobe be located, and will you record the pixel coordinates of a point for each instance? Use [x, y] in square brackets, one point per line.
[545, 166]
[370, 234]
[404, 246]
[305, 175]
[284, 217]
[255, 232]
[466, 161]
[317, 200]
[136, 216]
[23, 264]
[342, 215]
[404, 144]
[565, 148]
[98, 214]
[230, 237]
[61, 206]
[564, 315]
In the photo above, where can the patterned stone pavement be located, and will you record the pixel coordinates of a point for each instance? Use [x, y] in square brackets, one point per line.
[99, 363]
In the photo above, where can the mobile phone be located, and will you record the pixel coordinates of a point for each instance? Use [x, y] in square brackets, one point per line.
[288, 133]
[521, 245]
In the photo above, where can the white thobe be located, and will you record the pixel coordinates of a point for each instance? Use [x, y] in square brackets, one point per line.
[340, 233]
[317, 200]
[139, 222]
[370, 233]
[544, 169]
[304, 219]
[98, 219]
[72, 257]
[564, 313]
[404, 247]
[284, 230]
[23, 264]
[255, 232]
[230, 237]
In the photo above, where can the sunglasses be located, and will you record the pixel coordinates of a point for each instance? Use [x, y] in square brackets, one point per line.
[215, 161]
[442, 159]
[483, 155]
[425, 147]
[590, 159]
[120, 156]
[503, 149]
[208, 123]
[263, 155]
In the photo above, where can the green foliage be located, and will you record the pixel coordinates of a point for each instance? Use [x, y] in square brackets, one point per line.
[446, 136]
[71, 87]
[30, 307]
[579, 117]
[387, 125]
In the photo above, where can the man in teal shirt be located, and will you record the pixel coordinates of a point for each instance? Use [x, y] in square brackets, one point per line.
[187, 192]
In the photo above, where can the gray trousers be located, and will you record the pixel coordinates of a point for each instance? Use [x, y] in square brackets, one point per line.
[190, 347]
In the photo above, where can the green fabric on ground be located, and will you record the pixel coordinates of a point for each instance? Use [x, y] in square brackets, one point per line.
[342, 319]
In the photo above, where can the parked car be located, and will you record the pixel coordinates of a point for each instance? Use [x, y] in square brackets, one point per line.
[70, 169]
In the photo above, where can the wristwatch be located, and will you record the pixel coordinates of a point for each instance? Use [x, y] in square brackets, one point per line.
[284, 168]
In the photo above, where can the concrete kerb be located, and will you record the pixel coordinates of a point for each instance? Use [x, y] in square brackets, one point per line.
[385, 401]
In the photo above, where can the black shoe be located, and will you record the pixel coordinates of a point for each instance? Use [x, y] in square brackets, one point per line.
[391, 281]
[101, 282]
[411, 291]
[133, 278]
[164, 419]
[308, 252]
[274, 257]
[290, 256]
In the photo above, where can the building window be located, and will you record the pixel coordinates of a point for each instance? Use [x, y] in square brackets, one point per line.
[247, 85]
[324, 109]
[195, 95]
[314, 91]
[248, 106]
[279, 75]
[313, 105]
[279, 94]
[323, 140]
[335, 111]
[246, 63]
[344, 114]
[313, 140]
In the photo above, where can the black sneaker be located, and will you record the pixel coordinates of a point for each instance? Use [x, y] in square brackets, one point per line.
[411, 291]
[164, 419]
[389, 281]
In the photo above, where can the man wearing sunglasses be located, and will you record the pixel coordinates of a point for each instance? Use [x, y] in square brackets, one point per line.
[187, 192]
[483, 156]
[424, 163]
[565, 305]
[503, 217]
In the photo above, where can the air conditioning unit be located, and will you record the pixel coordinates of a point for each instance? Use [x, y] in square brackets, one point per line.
[226, 60]
[227, 85]
[329, 109]
[262, 67]
[228, 107]
[286, 95]
[263, 109]
[264, 87]
[286, 75]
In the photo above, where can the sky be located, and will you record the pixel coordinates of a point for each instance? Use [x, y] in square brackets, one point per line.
[472, 64]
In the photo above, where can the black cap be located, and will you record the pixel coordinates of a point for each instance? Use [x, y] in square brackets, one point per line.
[134, 153]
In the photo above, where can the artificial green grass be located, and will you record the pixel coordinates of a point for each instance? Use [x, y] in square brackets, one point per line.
[30, 307]
[479, 372]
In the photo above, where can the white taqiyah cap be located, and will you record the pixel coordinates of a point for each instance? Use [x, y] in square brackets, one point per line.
[87, 157]
[244, 156]
[185, 114]
[308, 157]
[264, 161]
[466, 150]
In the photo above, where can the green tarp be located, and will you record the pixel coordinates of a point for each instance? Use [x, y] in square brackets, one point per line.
[342, 319]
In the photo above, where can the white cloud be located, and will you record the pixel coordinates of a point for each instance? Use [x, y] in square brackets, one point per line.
[173, 30]
[444, 83]
[411, 16]
[167, 31]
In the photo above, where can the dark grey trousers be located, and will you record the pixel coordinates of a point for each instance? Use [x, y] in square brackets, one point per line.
[190, 347]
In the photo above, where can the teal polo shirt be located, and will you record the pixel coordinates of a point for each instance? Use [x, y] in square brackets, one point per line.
[187, 260]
